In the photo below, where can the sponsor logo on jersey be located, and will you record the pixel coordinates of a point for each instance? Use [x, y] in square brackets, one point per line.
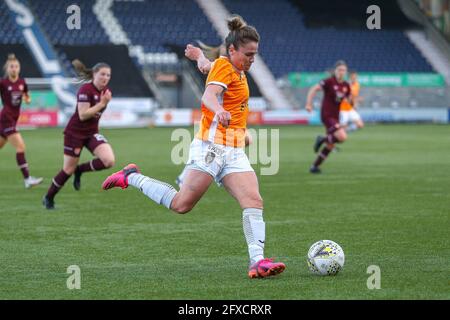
[82, 96]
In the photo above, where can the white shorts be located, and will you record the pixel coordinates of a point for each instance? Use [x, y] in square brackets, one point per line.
[349, 116]
[216, 159]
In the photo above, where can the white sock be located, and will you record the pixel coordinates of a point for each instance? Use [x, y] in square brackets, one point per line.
[255, 233]
[160, 192]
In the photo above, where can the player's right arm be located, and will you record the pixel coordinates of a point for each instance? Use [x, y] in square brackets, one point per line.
[196, 54]
[311, 94]
[210, 100]
[86, 113]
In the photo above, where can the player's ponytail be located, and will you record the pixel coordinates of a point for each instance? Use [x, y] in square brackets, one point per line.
[235, 22]
[210, 52]
[240, 33]
[86, 74]
[82, 71]
[11, 57]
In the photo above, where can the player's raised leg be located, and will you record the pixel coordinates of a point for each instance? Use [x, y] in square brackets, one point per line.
[194, 186]
[17, 142]
[243, 186]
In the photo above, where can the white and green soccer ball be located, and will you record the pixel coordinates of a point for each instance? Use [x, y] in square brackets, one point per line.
[325, 258]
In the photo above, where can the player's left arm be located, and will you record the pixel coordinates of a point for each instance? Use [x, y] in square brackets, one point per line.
[196, 54]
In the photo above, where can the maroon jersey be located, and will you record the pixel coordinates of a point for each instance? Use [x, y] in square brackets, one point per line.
[83, 129]
[11, 93]
[333, 93]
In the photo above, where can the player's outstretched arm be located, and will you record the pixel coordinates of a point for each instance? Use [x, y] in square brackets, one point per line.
[311, 94]
[196, 54]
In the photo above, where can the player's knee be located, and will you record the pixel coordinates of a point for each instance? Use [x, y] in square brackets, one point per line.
[254, 201]
[69, 170]
[109, 162]
[182, 208]
[20, 148]
[342, 136]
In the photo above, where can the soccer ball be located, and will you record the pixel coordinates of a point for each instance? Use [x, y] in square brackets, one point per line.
[325, 257]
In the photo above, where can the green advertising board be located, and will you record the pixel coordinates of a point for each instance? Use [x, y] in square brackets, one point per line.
[42, 99]
[307, 79]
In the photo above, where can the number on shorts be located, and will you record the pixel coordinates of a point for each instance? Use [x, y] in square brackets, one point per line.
[100, 137]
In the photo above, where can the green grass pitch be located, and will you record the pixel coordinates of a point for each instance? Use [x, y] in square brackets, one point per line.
[384, 198]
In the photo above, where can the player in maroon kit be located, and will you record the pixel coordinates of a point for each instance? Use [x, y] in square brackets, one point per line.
[13, 89]
[82, 130]
[335, 88]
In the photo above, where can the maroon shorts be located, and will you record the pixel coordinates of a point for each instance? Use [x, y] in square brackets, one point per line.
[331, 124]
[74, 145]
[7, 129]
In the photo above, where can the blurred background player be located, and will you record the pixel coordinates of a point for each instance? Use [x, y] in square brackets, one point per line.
[335, 89]
[217, 151]
[204, 58]
[349, 117]
[13, 89]
[82, 130]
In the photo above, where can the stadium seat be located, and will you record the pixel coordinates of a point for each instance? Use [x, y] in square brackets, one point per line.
[159, 23]
[9, 32]
[303, 49]
[53, 20]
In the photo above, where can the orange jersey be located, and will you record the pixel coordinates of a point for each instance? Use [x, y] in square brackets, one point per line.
[234, 99]
[345, 105]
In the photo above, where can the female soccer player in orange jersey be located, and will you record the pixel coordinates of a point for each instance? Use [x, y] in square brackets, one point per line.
[217, 152]
[349, 117]
[204, 65]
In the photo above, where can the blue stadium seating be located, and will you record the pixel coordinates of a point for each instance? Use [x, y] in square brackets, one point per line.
[155, 23]
[52, 17]
[9, 32]
[287, 45]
